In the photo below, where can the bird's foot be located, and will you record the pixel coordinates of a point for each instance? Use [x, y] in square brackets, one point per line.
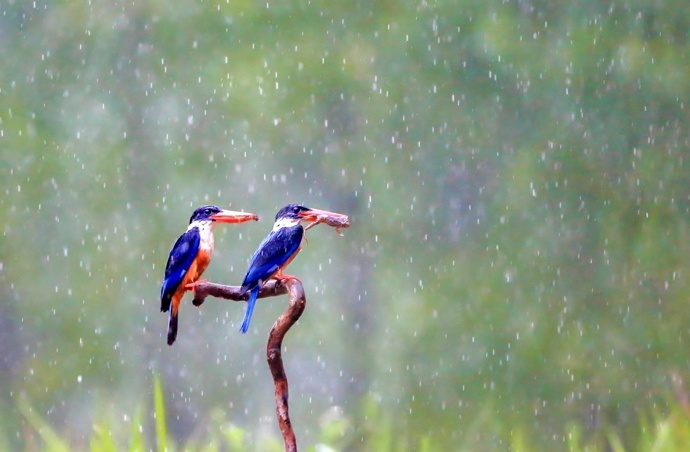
[282, 279]
[192, 285]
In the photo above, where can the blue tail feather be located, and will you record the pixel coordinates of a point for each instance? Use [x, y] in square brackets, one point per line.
[250, 309]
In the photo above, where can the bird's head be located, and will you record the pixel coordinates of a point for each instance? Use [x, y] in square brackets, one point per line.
[212, 214]
[295, 213]
[291, 212]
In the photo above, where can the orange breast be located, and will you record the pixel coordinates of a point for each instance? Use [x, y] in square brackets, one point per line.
[195, 271]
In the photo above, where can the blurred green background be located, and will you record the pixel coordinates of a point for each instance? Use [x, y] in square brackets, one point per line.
[517, 179]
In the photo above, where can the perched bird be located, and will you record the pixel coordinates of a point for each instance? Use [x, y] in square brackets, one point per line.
[190, 256]
[276, 251]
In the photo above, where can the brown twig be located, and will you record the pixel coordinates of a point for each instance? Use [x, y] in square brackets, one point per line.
[275, 360]
[206, 289]
[295, 290]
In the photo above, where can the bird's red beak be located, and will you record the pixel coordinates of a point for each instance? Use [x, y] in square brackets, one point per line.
[230, 216]
[315, 214]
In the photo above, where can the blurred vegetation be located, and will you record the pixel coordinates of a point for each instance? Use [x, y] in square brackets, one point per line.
[517, 178]
[658, 432]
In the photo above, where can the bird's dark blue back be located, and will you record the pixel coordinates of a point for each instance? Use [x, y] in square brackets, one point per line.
[181, 257]
[273, 251]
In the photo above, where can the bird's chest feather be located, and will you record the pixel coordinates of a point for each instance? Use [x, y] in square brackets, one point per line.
[206, 245]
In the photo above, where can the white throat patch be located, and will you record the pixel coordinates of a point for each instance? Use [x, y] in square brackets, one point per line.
[202, 225]
[286, 223]
[205, 233]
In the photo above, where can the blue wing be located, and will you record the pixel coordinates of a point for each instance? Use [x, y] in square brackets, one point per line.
[181, 257]
[275, 249]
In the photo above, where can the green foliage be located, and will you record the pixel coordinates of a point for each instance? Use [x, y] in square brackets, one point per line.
[159, 414]
[658, 432]
[50, 438]
[516, 273]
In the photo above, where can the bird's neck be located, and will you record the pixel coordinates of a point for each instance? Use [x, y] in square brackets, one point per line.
[285, 223]
[205, 233]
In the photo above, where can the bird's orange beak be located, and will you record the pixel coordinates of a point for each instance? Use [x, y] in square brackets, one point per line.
[316, 214]
[230, 216]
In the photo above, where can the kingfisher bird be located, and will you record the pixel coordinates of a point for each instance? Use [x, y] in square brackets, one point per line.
[276, 251]
[190, 256]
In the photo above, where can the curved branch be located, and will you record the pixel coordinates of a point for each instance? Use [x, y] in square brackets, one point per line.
[206, 289]
[293, 287]
[275, 361]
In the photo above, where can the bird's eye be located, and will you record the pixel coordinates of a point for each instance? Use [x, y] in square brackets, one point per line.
[207, 211]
